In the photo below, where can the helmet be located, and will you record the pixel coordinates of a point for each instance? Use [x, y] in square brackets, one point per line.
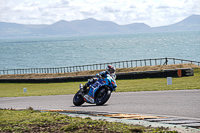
[111, 70]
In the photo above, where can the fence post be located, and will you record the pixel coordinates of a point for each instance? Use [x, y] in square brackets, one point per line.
[136, 63]
[131, 64]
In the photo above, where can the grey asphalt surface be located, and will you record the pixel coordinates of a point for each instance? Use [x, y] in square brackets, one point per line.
[183, 103]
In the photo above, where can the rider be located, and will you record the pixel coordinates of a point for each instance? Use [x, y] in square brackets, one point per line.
[109, 70]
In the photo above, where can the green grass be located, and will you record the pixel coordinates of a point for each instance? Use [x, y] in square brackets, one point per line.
[35, 121]
[41, 89]
[149, 84]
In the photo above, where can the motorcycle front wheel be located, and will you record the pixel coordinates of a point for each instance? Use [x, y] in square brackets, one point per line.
[78, 99]
[102, 96]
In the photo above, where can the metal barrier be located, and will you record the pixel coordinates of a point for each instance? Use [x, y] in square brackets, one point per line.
[119, 64]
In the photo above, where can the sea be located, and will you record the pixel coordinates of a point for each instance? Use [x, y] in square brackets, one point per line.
[52, 52]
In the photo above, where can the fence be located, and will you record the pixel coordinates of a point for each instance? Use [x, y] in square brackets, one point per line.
[120, 64]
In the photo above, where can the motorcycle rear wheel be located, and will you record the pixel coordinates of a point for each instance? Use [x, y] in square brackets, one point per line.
[78, 99]
[102, 96]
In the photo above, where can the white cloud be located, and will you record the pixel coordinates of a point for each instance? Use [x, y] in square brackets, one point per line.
[151, 12]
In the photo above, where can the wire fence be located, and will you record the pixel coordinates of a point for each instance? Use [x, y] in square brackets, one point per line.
[119, 64]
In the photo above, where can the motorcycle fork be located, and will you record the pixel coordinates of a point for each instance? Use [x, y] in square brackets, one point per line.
[86, 92]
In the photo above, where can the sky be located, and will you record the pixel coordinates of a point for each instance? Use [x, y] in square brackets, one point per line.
[151, 12]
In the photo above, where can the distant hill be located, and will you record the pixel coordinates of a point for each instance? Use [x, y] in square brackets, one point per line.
[93, 27]
[189, 24]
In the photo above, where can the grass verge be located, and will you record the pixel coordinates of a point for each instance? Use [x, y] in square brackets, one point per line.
[35, 121]
[159, 84]
[149, 84]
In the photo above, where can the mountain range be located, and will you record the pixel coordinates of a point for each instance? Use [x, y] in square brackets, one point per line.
[93, 27]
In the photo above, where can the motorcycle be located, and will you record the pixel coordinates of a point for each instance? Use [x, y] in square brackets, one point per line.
[98, 93]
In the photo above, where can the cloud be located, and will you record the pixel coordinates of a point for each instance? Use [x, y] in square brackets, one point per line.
[107, 9]
[151, 12]
[163, 7]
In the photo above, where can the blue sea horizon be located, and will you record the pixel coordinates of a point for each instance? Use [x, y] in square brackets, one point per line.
[51, 52]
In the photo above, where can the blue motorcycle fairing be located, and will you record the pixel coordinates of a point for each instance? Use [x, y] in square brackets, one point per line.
[94, 87]
[108, 81]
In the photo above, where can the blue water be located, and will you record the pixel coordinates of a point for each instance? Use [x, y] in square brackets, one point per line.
[70, 51]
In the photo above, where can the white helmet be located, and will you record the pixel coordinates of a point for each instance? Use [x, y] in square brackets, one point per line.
[111, 70]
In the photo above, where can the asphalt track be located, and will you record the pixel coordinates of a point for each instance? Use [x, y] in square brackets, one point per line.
[182, 103]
